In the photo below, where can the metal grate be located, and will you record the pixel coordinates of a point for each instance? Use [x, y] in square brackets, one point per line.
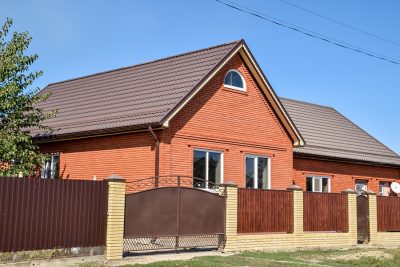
[173, 181]
[174, 242]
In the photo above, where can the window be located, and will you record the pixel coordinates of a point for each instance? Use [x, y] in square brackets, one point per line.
[318, 184]
[257, 172]
[207, 165]
[361, 185]
[384, 188]
[51, 167]
[234, 79]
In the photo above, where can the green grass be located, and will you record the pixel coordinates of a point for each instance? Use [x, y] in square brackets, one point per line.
[353, 257]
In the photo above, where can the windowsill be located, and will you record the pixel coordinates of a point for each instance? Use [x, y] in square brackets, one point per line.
[234, 90]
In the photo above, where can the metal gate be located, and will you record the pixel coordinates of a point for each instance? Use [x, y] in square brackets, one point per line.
[363, 235]
[173, 212]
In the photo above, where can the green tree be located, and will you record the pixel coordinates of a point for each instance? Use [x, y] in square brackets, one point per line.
[18, 111]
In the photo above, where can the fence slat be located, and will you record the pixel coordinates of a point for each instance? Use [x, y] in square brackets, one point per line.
[45, 214]
[325, 212]
[264, 211]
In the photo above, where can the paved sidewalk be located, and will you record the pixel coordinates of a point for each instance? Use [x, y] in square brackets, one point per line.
[60, 262]
[165, 256]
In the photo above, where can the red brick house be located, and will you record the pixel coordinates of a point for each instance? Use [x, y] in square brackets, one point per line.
[212, 114]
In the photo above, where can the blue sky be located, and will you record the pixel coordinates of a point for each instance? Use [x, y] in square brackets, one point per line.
[75, 38]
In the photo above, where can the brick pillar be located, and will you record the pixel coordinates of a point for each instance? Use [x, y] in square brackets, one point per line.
[297, 209]
[373, 217]
[115, 217]
[231, 214]
[352, 213]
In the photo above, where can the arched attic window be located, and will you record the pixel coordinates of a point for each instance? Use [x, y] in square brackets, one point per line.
[234, 80]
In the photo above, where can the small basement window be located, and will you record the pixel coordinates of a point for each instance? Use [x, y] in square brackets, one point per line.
[234, 80]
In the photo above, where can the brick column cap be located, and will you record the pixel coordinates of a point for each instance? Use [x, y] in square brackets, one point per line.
[115, 178]
[294, 187]
[370, 192]
[229, 184]
[348, 191]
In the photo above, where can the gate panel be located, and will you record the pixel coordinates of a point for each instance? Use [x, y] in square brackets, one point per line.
[201, 212]
[362, 218]
[151, 213]
[174, 217]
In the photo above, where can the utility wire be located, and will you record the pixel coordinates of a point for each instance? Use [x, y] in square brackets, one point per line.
[306, 32]
[340, 23]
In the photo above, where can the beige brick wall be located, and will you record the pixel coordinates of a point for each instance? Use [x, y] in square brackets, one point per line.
[115, 218]
[297, 239]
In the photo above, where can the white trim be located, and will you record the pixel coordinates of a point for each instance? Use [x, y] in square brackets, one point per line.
[244, 89]
[166, 123]
[293, 132]
[207, 156]
[255, 157]
[271, 91]
[314, 177]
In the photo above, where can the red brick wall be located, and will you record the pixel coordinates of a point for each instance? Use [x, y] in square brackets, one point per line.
[217, 118]
[343, 175]
[236, 123]
[128, 155]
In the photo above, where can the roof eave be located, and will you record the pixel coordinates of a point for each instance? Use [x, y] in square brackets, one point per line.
[95, 133]
[344, 160]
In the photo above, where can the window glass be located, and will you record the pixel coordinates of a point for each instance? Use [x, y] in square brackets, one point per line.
[309, 182]
[207, 165]
[325, 185]
[256, 172]
[51, 167]
[56, 167]
[234, 79]
[214, 167]
[262, 172]
[361, 185]
[199, 168]
[250, 172]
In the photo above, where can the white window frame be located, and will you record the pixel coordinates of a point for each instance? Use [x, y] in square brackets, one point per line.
[235, 87]
[363, 181]
[256, 170]
[52, 175]
[315, 177]
[381, 191]
[207, 153]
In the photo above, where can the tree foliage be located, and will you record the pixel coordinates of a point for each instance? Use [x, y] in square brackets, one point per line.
[18, 111]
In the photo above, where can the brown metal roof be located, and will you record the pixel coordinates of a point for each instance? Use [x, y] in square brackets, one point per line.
[329, 134]
[145, 94]
[130, 97]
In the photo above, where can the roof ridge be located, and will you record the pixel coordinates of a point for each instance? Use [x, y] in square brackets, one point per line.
[305, 102]
[146, 62]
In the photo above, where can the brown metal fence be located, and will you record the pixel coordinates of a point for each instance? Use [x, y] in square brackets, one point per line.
[265, 211]
[388, 209]
[325, 212]
[45, 214]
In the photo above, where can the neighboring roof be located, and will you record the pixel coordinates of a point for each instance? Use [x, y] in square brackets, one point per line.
[143, 95]
[329, 134]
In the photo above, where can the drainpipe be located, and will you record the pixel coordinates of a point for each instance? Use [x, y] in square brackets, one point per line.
[157, 160]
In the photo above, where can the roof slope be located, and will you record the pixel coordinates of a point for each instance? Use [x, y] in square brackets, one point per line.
[329, 134]
[141, 94]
